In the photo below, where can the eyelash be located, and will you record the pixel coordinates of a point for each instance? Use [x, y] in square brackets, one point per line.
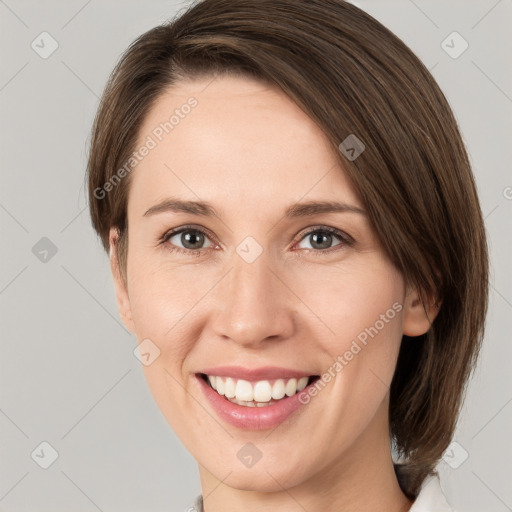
[346, 240]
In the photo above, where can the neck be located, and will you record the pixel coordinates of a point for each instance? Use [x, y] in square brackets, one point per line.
[361, 479]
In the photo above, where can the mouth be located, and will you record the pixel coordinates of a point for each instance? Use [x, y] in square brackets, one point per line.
[260, 393]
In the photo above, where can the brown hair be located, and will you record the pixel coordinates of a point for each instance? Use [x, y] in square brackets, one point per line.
[352, 76]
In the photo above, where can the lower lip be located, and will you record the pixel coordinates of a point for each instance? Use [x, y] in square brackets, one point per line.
[251, 418]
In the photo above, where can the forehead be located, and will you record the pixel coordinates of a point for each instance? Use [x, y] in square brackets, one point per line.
[211, 136]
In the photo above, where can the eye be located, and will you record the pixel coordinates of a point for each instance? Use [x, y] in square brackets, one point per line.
[321, 239]
[190, 240]
[187, 240]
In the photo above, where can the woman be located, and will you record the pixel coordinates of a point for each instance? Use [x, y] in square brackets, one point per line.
[297, 243]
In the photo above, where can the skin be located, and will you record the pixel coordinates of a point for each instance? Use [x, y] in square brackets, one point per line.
[251, 152]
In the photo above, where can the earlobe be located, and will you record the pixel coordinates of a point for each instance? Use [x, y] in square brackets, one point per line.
[417, 318]
[122, 297]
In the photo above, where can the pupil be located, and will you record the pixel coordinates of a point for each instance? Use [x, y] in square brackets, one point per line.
[326, 239]
[191, 238]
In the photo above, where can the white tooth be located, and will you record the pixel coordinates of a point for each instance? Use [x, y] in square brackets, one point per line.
[262, 391]
[291, 387]
[220, 385]
[278, 389]
[229, 388]
[302, 383]
[249, 404]
[242, 402]
[243, 391]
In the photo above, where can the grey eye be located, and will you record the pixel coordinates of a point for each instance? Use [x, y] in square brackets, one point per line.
[192, 239]
[320, 239]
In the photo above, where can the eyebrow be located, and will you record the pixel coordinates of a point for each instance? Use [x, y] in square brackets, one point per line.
[304, 209]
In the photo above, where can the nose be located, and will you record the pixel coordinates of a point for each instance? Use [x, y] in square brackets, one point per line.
[253, 304]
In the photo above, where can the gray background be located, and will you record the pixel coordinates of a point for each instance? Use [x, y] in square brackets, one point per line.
[68, 374]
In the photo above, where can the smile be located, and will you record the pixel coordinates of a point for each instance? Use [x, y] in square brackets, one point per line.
[256, 394]
[264, 399]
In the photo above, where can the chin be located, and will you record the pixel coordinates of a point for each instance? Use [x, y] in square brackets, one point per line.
[261, 481]
[269, 477]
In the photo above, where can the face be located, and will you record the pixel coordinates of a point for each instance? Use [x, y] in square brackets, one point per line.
[258, 288]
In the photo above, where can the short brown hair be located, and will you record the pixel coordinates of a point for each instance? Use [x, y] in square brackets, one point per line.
[352, 76]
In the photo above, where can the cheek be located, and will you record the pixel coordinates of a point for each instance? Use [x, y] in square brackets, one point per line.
[163, 296]
[162, 304]
[351, 298]
[164, 310]
[360, 333]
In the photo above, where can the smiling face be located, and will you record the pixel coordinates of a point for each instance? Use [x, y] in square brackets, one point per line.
[259, 284]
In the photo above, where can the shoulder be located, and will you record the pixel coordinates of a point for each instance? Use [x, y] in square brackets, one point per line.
[431, 497]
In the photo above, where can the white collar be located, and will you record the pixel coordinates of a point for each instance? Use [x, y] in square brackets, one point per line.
[429, 499]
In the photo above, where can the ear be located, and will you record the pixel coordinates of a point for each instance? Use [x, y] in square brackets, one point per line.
[122, 297]
[417, 318]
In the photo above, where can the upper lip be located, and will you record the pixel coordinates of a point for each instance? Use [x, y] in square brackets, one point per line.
[255, 374]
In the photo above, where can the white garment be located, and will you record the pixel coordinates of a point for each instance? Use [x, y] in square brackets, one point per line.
[429, 499]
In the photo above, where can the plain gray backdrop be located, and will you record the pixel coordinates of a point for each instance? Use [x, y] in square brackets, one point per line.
[69, 378]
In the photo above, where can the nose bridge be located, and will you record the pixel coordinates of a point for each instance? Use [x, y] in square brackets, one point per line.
[253, 304]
